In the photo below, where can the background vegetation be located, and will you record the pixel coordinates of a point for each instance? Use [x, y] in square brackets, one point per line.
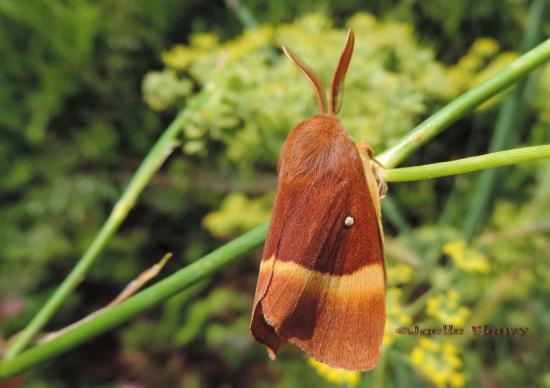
[87, 87]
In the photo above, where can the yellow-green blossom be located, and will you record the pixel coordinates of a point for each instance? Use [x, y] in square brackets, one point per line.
[396, 316]
[335, 375]
[162, 88]
[439, 362]
[485, 46]
[447, 309]
[205, 40]
[237, 214]
[466, 257]
[480, 62]
[399, 273]
[180, 56]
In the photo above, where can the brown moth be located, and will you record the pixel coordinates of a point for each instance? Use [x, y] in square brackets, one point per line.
[321, 285]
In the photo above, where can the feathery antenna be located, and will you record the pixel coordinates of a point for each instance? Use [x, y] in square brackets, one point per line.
[311, 76]
[337, 84]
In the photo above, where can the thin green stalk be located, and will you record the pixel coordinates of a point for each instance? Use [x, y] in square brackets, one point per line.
[508, 119]
[152, 162]
[462, 166]
[145, 299]
[453, 203]
[391, 213]
[511, 116]
[453, 208]
[242, 12]
[465, 103]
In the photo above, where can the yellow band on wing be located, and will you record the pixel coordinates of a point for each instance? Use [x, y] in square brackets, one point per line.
[369, 278]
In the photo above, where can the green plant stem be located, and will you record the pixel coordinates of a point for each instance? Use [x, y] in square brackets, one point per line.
[173, 284]
[462, 166]
[391, 213]
[242, 12]
[510, 117]
[152, 162]
[464, 104]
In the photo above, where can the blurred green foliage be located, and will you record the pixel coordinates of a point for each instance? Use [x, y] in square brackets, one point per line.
[78, 78]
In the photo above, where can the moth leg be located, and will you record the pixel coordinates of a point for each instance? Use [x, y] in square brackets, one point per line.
[382, 186]
[364, 149]
[370, 152]
[367, 154]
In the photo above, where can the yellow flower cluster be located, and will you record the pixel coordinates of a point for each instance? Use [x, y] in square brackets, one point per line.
[481, 62]
[396, 316]
[466, 257]
[335, 375]
[180, 56]
[237, 214]
[446, 308]
[439, 362]
[162, 88]
[399, 273]
[259, 95]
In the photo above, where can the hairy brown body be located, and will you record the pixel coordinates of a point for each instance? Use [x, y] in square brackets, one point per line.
[321, 182]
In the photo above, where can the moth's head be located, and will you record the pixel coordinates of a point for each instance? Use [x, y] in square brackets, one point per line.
[337, 84]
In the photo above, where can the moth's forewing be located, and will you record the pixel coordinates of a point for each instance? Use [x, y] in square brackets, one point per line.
[321, 285]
